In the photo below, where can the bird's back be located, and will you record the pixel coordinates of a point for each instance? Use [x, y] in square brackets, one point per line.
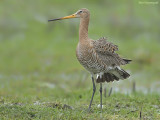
[106, 52]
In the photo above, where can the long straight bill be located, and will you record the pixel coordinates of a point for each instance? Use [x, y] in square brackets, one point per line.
[67, 17]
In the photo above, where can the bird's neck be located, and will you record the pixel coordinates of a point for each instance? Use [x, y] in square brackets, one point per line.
[83, 30]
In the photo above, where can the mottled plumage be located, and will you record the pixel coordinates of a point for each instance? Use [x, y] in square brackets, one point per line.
[97, 56]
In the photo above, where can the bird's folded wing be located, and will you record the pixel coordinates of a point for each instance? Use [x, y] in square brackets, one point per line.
[106, 52]
[103, 46]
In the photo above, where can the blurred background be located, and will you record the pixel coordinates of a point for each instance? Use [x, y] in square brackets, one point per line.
[38, 58]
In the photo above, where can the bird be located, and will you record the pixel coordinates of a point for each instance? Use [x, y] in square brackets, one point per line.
[98, 57]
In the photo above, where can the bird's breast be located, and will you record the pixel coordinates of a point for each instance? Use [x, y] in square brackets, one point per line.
[88, 58]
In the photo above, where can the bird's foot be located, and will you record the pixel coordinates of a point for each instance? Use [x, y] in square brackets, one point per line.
[100, 106]
[89, 109]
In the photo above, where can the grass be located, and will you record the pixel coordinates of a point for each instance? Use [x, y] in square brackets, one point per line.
[41, 78]
[73, 105]
[36, 97]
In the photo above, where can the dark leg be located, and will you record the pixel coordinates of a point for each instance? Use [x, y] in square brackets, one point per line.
[101, 95]
[94, 89]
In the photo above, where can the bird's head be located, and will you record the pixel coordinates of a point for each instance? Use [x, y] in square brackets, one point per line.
[82, 13]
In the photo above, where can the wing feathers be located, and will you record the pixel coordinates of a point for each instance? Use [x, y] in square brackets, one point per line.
[106, 52]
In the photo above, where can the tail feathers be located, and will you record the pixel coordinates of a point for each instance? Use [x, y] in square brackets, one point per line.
[124, 74]
[106, 77]
[127, 61]
[115, 74]
[120, 73]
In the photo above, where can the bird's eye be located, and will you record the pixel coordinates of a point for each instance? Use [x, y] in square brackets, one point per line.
[80, 11]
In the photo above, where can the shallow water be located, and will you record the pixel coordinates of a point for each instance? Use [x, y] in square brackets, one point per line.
[82, 80]
[122, 86]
